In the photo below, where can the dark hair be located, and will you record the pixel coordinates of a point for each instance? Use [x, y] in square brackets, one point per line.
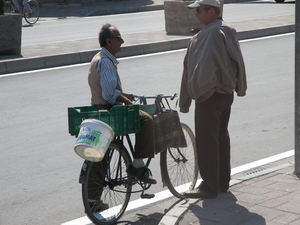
[105, 33]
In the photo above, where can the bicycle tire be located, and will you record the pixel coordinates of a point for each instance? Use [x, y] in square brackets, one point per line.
[8, 8]
[180, 165]
[35, 15]
[112, 188]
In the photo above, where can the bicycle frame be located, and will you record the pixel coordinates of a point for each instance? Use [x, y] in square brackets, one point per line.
[10, 2]
[143, 101]
[121, 140]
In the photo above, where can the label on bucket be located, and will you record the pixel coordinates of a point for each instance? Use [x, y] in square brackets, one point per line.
[91, 138]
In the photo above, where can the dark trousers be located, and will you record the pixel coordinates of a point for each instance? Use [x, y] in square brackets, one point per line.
[144, 139]
[213, 142]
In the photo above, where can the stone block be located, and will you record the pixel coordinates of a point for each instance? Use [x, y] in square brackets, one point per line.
[181, 20]
[10, 34]
[178, 18]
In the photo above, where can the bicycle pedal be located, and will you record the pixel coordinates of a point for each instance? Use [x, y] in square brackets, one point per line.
[147, 196]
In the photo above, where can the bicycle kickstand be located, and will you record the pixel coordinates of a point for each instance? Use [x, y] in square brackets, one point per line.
[145, 195]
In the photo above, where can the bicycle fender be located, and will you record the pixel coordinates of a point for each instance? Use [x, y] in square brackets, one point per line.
[83, 171]
[163, 175]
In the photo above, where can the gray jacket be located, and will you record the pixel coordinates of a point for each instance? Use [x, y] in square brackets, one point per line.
[213, 63]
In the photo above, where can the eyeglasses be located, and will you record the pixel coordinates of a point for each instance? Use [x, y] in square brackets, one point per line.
[117, 37]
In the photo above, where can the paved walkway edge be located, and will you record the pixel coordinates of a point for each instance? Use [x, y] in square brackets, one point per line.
[177, 212]
[26, 64]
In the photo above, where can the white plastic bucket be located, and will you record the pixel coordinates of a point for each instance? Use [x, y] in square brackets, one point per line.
[93, 140]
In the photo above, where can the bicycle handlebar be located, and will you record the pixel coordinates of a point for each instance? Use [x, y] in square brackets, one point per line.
[158, 99]
[159, 96]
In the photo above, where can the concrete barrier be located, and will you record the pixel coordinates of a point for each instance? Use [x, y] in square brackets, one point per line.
[10, 34]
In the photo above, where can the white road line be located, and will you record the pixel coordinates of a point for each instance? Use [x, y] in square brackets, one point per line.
[166, 194]
[262, 162]
[267, 37]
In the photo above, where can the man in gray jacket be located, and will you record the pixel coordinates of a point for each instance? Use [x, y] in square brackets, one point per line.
[213, 70]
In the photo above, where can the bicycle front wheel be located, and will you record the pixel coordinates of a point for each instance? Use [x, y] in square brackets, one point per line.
[32, 17]
[180, 165]
[106, 190]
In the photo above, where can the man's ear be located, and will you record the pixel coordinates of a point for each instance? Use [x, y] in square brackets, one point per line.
[108, 41]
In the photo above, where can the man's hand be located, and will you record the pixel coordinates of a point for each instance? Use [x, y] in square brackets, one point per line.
[126, 98]
[129, 96]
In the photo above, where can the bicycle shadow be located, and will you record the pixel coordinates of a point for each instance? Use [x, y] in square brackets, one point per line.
[27, 25]
[150, 219]
[225, 210]
[147, 219]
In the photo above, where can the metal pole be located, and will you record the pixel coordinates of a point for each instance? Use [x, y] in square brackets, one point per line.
[297, 88]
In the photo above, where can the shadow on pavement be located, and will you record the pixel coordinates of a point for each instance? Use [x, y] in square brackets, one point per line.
[224, 210]
[150, 219]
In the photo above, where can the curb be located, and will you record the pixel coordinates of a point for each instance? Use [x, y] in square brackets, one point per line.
[266, 32]
[25, 64]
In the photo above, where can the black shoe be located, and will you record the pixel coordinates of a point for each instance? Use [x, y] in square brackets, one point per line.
[98, 206]
[223, 190]
[141, 173]
[197, 193]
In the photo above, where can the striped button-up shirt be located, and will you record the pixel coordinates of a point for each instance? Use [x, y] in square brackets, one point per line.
[110, 79]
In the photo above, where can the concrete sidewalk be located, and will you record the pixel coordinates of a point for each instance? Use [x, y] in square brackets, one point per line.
[267, 197]
[73, 52]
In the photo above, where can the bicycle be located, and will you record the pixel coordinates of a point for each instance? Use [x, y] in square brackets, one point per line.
[108, 179]
[30, 18]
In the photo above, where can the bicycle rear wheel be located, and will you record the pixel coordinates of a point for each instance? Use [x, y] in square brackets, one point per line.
[33, 17]
[106, 183]
[180, 165]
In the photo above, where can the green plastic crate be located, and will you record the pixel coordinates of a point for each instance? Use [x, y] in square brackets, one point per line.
[123, 119]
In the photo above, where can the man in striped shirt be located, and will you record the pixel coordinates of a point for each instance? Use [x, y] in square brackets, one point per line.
[106, 91]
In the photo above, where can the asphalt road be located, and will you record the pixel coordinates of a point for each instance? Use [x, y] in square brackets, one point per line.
[49, 30]
[40, 169]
